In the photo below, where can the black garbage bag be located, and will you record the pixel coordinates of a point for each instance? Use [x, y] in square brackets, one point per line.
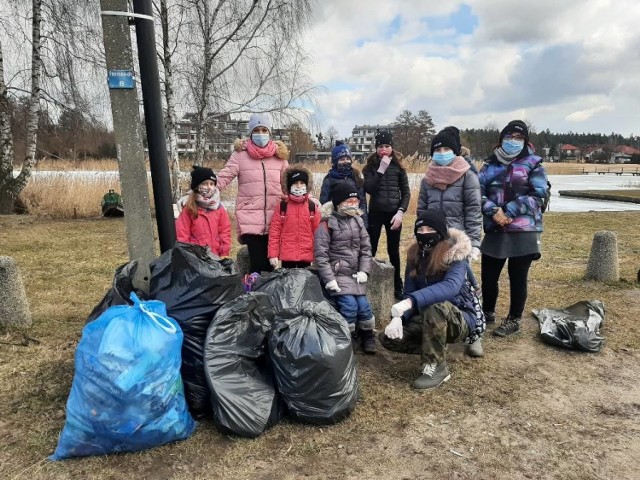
[237, 367]
[194, 284]
[310, 347]
[121, 288]
[288, 288]
[576, 326]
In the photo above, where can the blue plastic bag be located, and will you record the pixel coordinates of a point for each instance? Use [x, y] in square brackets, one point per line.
[127, 393]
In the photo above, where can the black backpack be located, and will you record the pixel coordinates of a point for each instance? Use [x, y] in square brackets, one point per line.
[312, 209]
[547, 198]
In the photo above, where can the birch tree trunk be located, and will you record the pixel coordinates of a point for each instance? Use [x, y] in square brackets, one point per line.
[6, 145]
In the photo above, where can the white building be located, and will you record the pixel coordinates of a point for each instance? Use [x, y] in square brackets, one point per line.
[363, 138]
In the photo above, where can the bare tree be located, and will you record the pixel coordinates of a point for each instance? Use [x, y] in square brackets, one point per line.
[331, 135]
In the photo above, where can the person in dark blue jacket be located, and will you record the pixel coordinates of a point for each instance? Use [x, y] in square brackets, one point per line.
[440, 306]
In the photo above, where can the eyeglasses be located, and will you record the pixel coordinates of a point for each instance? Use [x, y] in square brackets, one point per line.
[514, 136]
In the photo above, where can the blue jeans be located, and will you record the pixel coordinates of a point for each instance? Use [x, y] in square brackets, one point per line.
[356, 310]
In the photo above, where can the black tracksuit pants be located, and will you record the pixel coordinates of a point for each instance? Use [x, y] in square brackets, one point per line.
[377, 220]
[518, 268]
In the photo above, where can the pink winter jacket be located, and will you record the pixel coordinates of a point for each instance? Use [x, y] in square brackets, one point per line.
[259, 187]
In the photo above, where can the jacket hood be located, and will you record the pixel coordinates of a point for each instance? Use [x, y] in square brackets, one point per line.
[327, 210]
[282, 152]
[459, 247]
[301, 169]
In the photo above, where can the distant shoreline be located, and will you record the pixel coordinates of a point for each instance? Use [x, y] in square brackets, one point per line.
[630, 196]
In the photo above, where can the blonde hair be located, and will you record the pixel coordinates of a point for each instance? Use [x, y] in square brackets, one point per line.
[191, 206]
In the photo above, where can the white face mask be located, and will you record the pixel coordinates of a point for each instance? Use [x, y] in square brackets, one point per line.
[298, 191]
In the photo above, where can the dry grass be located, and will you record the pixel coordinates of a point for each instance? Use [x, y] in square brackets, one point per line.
[526, 410]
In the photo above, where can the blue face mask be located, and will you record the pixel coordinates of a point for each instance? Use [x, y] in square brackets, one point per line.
[444, 158]
[512, 147]
[260, 139]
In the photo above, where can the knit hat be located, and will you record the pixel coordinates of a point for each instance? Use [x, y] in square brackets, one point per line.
[295, 176]
[342, 191]
[435, 219]
[515, 126]
[447, 137]
[384, 138]
[259, 120]
[200, 174]
[338, 152]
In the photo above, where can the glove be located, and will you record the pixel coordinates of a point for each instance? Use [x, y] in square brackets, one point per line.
[360, 277]
[394, 329]
[475, 254]
[384, 164]
[396, 220]
[399, 308]
[332, 286]
[275, 262]
[182, 201]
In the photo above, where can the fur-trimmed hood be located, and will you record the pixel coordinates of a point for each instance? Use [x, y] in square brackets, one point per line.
[282, 151]
[327, 210]
[459, 247]
[299, 169]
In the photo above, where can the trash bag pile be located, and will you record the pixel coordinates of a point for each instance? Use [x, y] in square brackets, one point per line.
[127, 392]
[575, 327]
[288, 288]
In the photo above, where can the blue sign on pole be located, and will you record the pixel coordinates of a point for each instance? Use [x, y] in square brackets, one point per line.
[121, 79]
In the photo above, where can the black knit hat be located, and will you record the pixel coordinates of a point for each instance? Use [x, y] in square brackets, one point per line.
[515, 126]
[384, 138]
[200, 174]
[295, 176]
[435, 219]
[447, 137]
[341, 191]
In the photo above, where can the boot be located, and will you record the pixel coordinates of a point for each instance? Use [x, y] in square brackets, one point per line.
[368, 340]
[433, 375]
[475, 349]
[354, 339]
[510, 326]
[490, 317]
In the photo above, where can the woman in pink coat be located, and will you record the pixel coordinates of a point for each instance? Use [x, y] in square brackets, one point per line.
[259, 163]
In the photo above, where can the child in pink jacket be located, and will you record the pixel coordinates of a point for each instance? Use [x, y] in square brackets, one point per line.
[204, 220]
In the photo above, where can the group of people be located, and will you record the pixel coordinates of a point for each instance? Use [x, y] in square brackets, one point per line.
[439, 300]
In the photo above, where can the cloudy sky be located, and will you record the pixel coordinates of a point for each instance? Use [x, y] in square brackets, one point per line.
[566, 65]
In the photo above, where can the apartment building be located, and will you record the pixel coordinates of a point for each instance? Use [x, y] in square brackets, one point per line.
[362, 139]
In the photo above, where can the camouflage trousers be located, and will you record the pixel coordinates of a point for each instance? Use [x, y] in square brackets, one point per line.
[428, 332]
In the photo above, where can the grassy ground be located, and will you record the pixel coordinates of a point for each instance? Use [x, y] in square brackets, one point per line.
[525, 410]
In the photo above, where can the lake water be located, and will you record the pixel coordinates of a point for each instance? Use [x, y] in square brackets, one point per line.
[558, 182]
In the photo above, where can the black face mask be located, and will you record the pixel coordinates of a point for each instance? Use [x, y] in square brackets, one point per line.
[344, 167]
[428, 240]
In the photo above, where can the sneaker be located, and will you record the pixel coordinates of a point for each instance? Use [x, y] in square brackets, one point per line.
[433, 375]
[490, 317]
[475, 349]
[510, 326]
[368, 341]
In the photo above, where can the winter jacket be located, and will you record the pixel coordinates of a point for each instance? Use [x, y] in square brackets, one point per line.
[518, 188]
[452, 285]
[342, 248]
[355, 179]
[291, 235]
[212, 228]
[388, 191]
[259, 187]
[460, 202]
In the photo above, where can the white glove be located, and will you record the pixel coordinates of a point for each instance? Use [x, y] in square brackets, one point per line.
[275, 262]
[394, 329]
[333, 286]
[182, 201]
[384, 164]
[360, 277]
[475, 254]
[396, 220]
[399, 308]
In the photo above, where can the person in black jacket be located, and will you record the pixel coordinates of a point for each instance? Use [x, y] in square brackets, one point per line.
[386, 182]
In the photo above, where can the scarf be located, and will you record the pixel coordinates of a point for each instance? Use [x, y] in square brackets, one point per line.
[503, 157]
[333, 173]
[269, 150]
[211, 203]
[298, 198]
[441, 176]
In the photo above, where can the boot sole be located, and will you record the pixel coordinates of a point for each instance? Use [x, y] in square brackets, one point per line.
[445, 379]
[504, 335]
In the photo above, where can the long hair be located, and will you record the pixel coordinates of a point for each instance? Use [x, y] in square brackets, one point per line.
[373, 160]
[432, 264]
[191, 206]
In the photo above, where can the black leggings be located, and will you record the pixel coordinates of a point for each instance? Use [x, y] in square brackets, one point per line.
[518, 269]
[295, 264]
[258, 247]
[376, 221]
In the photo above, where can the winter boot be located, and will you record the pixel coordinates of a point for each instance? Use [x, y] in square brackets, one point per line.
[433, 375]
[490, 317]
[355, 337]
[510, 326]
[475, 349]
[368, 340]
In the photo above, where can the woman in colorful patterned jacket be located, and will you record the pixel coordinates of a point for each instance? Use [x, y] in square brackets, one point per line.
[513, 185]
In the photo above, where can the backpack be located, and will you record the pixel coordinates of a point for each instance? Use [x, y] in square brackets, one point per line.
[312, 209]
[547, 198]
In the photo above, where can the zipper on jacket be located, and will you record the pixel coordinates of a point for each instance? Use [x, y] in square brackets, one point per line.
[264, 176]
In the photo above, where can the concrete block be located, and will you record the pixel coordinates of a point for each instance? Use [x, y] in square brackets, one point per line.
[14, 308]
[380, 291]
[603, 259]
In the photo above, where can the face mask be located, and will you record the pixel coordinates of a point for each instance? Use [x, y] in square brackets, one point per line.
[344, 167]
[298, 191]
[349, 210]
[512, 147]
[206, 192]
[260, 139]
[428, 240]
[385, 151]
[444, 158]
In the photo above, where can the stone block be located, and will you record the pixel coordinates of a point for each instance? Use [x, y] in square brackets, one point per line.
[380, 291]
[603, 259]
[14, 308]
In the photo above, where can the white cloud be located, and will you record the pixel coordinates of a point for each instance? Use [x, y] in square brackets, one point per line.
[582, 115]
